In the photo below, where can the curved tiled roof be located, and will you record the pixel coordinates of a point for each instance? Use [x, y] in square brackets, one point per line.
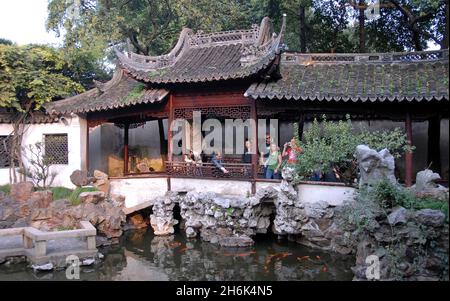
[120, 91]
[359, 77]
[209, 57]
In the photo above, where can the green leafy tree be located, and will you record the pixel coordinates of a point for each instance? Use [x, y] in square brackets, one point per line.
[329, 147]
[29, 77]
[152, 27]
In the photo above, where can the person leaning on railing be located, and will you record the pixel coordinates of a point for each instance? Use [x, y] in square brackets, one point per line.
[194, 159]
[217, 161]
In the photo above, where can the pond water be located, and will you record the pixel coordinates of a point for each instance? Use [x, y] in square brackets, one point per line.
[143, 256]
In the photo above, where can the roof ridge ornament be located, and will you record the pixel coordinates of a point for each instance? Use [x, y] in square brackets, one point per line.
[267, 42]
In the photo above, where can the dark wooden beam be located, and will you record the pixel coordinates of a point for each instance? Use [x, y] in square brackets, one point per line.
[408, 155]
[301, 123]
[254, 145]
[125, 149]
[434, 145]
[162, 140]
[170, 134]
[87, 146]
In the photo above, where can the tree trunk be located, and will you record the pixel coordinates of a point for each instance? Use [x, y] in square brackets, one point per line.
[362, 29]
[302, 29]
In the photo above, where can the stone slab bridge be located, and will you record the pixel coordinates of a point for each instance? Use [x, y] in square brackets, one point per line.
[41, 247]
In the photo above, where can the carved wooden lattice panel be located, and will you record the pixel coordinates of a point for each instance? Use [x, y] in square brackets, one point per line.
[235, 112]
[56, 148]
[5, 151]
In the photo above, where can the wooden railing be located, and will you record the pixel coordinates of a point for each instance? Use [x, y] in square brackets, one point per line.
[209, 170]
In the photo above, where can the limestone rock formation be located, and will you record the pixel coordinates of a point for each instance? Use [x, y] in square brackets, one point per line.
[226, 220]
[413, 250]
[426, 185]
[162, 220]
[374, 166]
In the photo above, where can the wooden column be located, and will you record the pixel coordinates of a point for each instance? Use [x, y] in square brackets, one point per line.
[301, 123]
[170, 135]
[125, 149]
[87, 146]
[434, 143]
[169, 140]
[254, 116]
[408, 155]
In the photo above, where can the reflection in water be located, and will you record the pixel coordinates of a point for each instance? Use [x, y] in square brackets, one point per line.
[143, 256]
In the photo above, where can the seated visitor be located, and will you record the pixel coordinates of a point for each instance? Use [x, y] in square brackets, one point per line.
[331, 176]
[192, 157]
[247, 155]
[218, 162]
[316, 176]
[273, 163]
[291, 150]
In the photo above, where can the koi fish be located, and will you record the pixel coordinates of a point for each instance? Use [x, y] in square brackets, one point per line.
[174, 244]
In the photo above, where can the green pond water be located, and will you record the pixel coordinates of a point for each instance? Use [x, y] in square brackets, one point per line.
[143, 256]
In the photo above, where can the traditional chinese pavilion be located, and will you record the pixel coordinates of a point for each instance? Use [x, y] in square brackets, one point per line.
[246, 74]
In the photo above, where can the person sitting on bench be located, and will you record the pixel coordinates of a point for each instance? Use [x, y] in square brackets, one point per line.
[218, 162]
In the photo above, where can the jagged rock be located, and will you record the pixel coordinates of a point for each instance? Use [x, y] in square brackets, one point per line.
[426, 185]
[317, 210]
[190, 232]
[81, 178]
[117, 200]
[21, 191]
[235, 241]
[162, 220]
[93, 197]
[101, 181]
[88, 261]
[374, 166]
[217, 217]
[42, 199]
[430, 217]
[398, 215]
[40, 214]
[43, 267]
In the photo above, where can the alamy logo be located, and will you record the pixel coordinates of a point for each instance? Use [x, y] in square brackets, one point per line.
[73, 270]
[373, 270]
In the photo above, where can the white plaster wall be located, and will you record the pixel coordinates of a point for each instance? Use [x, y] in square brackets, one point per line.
[137, 191]
[333, 195]
[264, 185]
[74, 129]
[218, 186]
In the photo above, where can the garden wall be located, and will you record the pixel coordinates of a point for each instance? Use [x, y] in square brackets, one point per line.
[75, 130]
